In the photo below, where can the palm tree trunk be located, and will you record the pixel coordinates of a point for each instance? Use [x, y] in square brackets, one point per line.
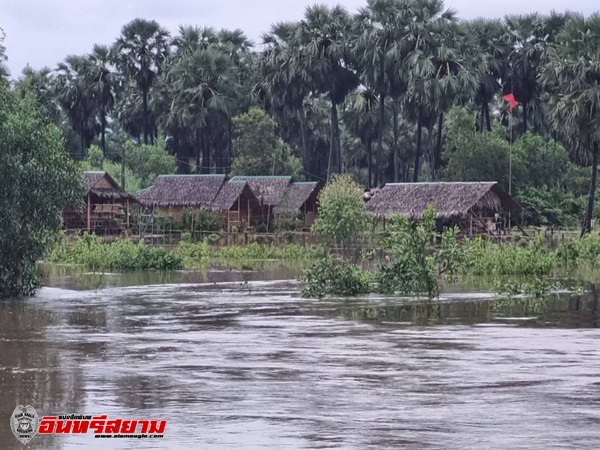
[378, 167]
[199, 150]
[103, 132]
[205, 152]
[123, 167]
[338, 145]
[302, 118]
[587, 225]
[418, 152]
[524, 117]
[145, 112]
[370, 161]
[229, 146]
[487, 116]
[332, 148]
[81, 142]
[481, 117]
[437, 159]
[396, 163]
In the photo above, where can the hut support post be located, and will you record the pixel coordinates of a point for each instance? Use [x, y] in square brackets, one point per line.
[248, 205]
[88, 213]
[470, 225]
[127, 214]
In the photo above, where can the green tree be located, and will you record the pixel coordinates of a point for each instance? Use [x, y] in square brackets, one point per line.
[139, 54]
[103, 82]
[342, 217]
[74, 92]
[324, 34]
[149, 161]
[260, 151]
[572, 75]
[472, 156]
[3, 69]
[38, 181]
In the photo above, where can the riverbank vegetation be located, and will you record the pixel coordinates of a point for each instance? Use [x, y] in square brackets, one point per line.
[124, 254]
[418, 260]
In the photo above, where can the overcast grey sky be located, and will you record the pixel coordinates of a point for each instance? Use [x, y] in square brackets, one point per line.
[43, 32]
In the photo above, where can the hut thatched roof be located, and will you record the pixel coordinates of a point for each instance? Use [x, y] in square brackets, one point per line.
[296, 195]
[268, 189]
[448, 199]
[102, 186]
[183, 190]
[230, 193]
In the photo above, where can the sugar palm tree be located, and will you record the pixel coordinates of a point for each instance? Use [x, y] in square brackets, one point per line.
[383, 37]
[103, 84]
[203, 85]
[492, 39]
[361, 119]
[326, 57]
[281, 82]
[75, 95]
[572, 75]
[139, 54]
[431, 65]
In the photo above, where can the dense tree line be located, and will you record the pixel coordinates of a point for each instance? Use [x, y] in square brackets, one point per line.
[366, 93]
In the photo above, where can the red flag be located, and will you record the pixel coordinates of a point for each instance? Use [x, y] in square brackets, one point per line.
[512, 103]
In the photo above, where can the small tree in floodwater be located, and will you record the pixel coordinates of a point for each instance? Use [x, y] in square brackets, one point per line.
[412, 269]
[342, 218]
[37, 181]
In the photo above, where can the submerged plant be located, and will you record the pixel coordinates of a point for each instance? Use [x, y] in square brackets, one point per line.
[329, 277]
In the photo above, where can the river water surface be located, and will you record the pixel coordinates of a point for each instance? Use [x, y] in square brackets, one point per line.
[248, 364]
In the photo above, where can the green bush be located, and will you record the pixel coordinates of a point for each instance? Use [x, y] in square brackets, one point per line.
[486, 258]
[412, 268]
[327, 277]
[122, 254]
[192, 255]
[200, 220]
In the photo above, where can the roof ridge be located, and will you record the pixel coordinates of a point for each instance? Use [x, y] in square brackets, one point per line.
[441, 182]
[191, 175]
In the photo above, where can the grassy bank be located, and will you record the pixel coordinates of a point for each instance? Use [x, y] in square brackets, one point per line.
[123, 254]
[415, 266]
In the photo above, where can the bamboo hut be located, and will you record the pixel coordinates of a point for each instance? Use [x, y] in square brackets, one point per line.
[300, 199]
[175, 193]
[475, 207]
[269, 190]
[237, 206]
[234, 202]
[106, 208]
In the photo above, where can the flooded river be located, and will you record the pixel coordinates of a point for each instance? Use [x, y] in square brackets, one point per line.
[234, 363]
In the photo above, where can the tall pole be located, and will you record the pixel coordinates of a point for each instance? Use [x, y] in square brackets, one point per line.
[510, 127]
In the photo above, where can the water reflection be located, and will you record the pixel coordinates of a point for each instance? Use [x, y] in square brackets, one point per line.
[251, 365]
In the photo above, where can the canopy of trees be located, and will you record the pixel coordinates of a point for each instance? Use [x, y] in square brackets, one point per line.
[363, 92]
[37, 180]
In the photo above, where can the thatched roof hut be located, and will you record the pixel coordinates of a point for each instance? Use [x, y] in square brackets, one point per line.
[101, 188]
[450, 200]
[268, 189]
[230, 193]
[297, 196]
[183, 191]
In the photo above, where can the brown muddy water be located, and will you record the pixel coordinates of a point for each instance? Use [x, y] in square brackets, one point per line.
[233, 362]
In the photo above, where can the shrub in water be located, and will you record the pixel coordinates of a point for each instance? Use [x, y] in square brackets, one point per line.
[326, 277]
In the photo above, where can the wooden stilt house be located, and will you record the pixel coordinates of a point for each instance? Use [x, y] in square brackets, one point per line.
[107, 206]
[301, 199]
[476, 207]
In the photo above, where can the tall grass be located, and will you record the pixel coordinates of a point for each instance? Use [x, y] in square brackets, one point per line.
[123, 254]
